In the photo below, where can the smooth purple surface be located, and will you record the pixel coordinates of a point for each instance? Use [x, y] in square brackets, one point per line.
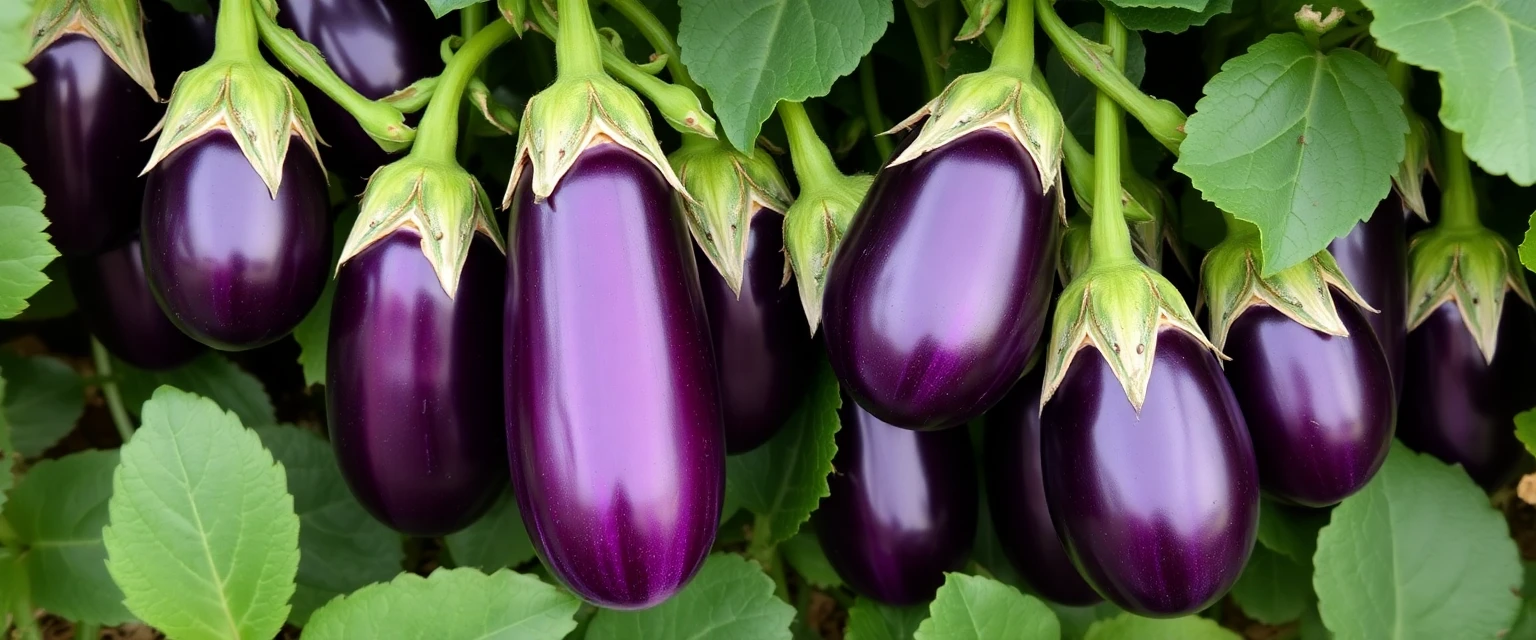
[937, 297]
[232, 267]
[115, 300]
[412, 385]
[1159, 511]
[1374, 256]
[761, 344]
[1021, 517]
[1319, 408]
[1456, 405]
[613, 412]
[901, 510]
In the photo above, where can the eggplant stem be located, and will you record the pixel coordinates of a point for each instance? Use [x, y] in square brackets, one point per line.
[578, 51]
[1110, 240]
[661, 39]
[110, 391]
[811, 158]
[872, 113]
[1015, 51]
[234, 38]
[922, 32]
[437, 135]
[1458, 202]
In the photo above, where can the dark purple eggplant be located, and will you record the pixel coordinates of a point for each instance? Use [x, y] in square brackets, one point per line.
[1021, 517]
[613, 413]
[377, 47]
[118, 307]
[901, 508]
[412, 385]
[761, 346]
[1374, 256]
[1159, 511]
[1319, 407]
[233, 267]
[937, 297]
[1459, 407]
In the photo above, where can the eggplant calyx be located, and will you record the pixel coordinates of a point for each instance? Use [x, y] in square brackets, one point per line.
[1119, 309]
[442, 202]
[729, 187]
[116, 25]
[1231, 283]
[1473, 268]
[259, 107]
[515, 12]
[979, 15]
[813, 228]
[1409, 178]
[985, 99]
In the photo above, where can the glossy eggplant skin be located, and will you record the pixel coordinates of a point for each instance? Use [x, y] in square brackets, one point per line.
[1374, 256]
[613, 413]
[1459, 407]
[114, 299]
[413, 386]
[937, 297]
[902, 507]
[1319, 408]
[1021, 517]
[1158, 511]
[234, 268]
[762, 348]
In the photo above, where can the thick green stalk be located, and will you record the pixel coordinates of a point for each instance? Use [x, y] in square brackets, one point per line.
[949, 14]
[437, 136]
[235, 32]
[660, 38]
[877, 123]
[471, 19]
[923, 33]
[1458, 202]
[1015, 52]
[1109, 238]
[812, 160]
[110, 391]
[578, 52]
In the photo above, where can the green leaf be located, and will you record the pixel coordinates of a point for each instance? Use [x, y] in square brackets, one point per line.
[16, 188]
[55, 300]
[730, 599]
[15, 48]
[1075, 96]
[7, 480]
[1417, 553]
[306, 601]
[204, 541]
[1300, 143]
[1289, 530]
[450, 604]
[783, 480]
[870, 620]
[1525, 625]
[497, 540]
[1128, 626]
[58, 511]
[15, 595]
[1173, 20]
[44, 401]
[24, 247]
[1528, 245]
[1525, 429]
[1273, 589]
[973, 607]
[442, 8]
[1184, 5]
[804, 553]
[212, 376]
[751, 54]
[1076, 621]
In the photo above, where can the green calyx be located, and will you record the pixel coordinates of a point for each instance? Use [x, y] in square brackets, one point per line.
[1150, 241]
[1076, 250]
[1409, 179]
[515, 12]
[979, 15]
[414, 97]
[728, 188]
[813, 229]
[117, 26]
[1473, 267]
[1231, 283]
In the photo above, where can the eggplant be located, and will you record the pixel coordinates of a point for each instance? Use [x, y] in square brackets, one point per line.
[761, 347]
[1374, 256]
[80, 130]
[937, 297]
[613, 415]
[1159, 511]
[1021, 517]
[115, 300]
[231, 266]
[1319, 407]
[412, 385]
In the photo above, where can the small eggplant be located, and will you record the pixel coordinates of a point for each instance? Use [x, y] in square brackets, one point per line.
[232, 266]
[120, 310]
[1374, 255]
[412, 387]
[901, 510]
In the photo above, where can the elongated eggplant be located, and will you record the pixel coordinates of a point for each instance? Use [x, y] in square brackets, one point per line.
[412, 385]
[613, 412]
[902, 507]
[1319, 407]
[1158, 510]
[761, 346]
[120, 310]
[231, 266]
[937, 297]
[1374, 256]
[1021, 517]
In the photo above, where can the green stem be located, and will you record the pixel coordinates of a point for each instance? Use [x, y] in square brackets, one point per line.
[235, 32]
[87, 631]
[110, 391]
[8, 537]
[923, 32]
[1015, 52]
[578, 52]
[812, 160]
[438, 134]
[767, 555]
[1398, 75]
[471, 19]
[1458, 202]
[949, 13]
[877, 123]
[661, 40]
[1109, 239]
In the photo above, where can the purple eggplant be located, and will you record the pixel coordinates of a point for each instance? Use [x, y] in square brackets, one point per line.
[1159, 511]
[1021, 517]
[1459, 407]
[901, 510]
[761, 346]
[412, 385]
[233, 267]
[1374, 256]
[613, 413]
[1319, 407]
[937, 297]
[118, 307]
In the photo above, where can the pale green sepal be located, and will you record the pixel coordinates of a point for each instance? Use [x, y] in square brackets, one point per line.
[414, 97]
[1076, 252]
[494, 112]
[979, 14]
[117, 26]
[728, 187]
[515, 12]
[1474, 268]
[1117, 309]
[813, 229]
[1409, 179]
[989, 98]
[254, 102]
[1231, 284]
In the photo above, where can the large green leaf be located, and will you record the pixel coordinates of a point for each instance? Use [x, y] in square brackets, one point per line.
[784, 480]
[15, 46]
[212, 376]
[977, 608]
[1291, 531]
[1300, 143]
[730, 599]
[44, 400]
[1525, 624]
[870, 620]
[1170, 20]
[805, 555]
[1273, 589]
[1184, 5]
[24, 247]
[1128, 626]
[442, 8]
[450, 604]
[497, 540]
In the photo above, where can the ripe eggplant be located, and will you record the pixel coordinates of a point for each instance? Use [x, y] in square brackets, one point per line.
[1021, 517]
[412, 387]
[118, 307]
[902, 507]
[937, 297]
[761, 346]
[1319, 407]
[1159, 511]
[613, 415]
[231, 266]
[1374, 256]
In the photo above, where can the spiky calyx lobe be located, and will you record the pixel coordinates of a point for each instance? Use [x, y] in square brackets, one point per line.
[728, 188]
[1231, 283]
[1409, 178]
[1473, 267]
[117, 26]
[814, 228]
